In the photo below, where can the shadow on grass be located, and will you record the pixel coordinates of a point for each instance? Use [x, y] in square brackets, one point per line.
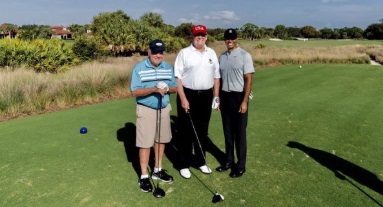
[343, 168]
[127, 135]
[171, 150]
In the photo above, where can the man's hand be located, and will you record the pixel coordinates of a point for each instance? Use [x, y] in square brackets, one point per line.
[243, 107]
[163, 85]
[185, 105]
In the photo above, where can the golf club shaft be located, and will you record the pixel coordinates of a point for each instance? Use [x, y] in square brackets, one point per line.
[158, 192]
[200, 146]
[159, 133]
[196, 135]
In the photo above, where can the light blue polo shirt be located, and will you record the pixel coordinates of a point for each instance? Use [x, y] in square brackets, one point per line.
[145, 75]
[233, 66]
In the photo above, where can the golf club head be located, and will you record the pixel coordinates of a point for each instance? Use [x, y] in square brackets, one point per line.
[217, 198]
[158, 193]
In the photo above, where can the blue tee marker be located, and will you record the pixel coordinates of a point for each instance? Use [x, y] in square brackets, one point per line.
[83, 130]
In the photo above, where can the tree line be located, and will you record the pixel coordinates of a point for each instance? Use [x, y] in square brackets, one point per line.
[118, 28]
[251, 31]
[116, 33]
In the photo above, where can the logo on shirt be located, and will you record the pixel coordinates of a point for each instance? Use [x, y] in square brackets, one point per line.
[210, 61]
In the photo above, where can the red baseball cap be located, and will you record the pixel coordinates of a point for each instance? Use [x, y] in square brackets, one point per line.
[199, 29]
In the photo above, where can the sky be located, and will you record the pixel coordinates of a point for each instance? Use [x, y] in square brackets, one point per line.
[211, 13]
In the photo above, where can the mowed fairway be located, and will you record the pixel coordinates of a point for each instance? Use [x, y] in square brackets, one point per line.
[336, 111]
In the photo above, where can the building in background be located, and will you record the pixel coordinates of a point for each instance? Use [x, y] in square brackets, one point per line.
[8, 31]
[61, 32]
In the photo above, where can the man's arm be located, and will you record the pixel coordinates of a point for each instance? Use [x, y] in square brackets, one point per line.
[247, 88]
[216, 87]
[147, 91]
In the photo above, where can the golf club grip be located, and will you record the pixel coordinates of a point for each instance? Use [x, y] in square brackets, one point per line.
[160, 104]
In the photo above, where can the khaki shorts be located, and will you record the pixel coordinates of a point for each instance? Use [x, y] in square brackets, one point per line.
[147, 126]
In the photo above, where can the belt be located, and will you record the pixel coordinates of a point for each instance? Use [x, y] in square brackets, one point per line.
[149, 106]
[197, 91]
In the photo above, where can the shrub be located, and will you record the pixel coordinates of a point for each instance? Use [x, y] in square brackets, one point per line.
[86, 48]
[260, 46]
[174, 44]
[39, 55]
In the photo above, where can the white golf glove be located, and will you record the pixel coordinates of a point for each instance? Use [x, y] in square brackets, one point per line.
[251, 95]
[215, 103]
[162, 85]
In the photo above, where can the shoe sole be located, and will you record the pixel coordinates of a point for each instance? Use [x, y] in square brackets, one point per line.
[222, 169]
[185, 176]
[205, 172]
[146, 191]
[165, 181]
[236, 175]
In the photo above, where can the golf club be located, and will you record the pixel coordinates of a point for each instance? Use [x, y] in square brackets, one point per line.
[158, 192]
[216, 196]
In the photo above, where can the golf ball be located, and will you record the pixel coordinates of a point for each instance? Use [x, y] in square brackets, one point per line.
[83, 130]
[300, 66]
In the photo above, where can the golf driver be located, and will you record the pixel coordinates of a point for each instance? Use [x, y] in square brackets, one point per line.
[158, 192]
[216, 196]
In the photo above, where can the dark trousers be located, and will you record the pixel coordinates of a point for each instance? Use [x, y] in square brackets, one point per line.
[234, 127]
[200, 111]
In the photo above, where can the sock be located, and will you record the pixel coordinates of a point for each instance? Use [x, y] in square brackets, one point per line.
[157, 169]
[144, 176]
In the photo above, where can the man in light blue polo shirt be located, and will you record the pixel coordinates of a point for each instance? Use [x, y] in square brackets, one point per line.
[236, 68]
[151, 83]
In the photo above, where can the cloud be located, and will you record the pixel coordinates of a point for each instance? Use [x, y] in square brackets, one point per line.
[222, 16]
[184, 20]
[227, 16]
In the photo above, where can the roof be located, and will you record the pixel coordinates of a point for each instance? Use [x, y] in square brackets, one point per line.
[60, 30]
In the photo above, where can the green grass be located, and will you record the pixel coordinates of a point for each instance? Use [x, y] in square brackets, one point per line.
[334, 109]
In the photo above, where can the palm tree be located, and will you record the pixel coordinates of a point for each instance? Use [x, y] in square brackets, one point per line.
[153, 19]
[250, 31]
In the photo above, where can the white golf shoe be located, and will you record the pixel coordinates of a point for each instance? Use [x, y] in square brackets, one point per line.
[185, 173]
[205, 169]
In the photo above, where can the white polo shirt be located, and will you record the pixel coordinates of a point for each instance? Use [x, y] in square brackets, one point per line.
[197, 70]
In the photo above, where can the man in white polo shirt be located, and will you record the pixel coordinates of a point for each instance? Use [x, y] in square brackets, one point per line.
[196, 70]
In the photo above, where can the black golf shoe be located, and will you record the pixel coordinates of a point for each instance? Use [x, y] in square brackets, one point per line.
[145, 185]
[223, 167]
[163, 176]
[236, 173]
